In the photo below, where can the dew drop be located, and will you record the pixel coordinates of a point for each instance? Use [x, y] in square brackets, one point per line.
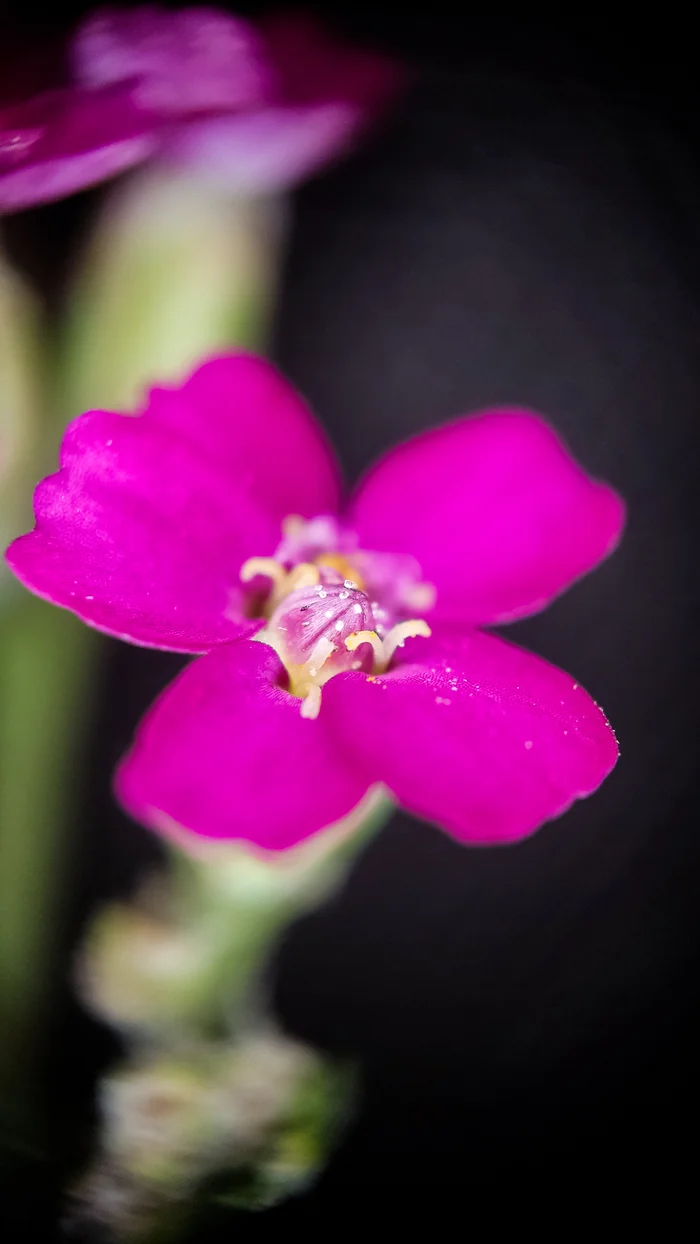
[14, 144]
[528, 744]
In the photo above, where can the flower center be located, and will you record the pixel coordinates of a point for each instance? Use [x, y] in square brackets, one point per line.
[320, 617]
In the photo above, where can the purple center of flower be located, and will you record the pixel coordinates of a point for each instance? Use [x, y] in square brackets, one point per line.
[333, 607]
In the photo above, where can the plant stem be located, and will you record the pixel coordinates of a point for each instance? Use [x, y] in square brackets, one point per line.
[47, 662]
[172, 271]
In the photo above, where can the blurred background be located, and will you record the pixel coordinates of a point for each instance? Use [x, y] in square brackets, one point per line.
[525, 228]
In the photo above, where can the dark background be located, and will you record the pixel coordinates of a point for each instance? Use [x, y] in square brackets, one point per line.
[526, 229]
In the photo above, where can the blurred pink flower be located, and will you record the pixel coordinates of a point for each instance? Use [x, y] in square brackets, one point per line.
[255, 108]
[216, 515]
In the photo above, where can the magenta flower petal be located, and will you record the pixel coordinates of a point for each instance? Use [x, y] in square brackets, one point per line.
[62, 141]
[194, 60]
[259, 152]
[225, 753]
[473, 733]
[143, 530]
[496, 511]
[247, 415]
[137, 536]
[254, 108]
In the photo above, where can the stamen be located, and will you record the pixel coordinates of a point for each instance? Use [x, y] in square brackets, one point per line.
[311, 704]
[293, 525]
[319, 655]
[404, 630]
[265, 566]
[352, 643]
[336, 561]
[421, 597]
[320, 611]
[303, 575]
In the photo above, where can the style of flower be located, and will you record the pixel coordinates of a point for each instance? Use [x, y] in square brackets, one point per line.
[342, 638]
[255, 109]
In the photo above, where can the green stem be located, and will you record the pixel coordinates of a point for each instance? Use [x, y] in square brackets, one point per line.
[188, 959]
[173, 271]
[47, 661]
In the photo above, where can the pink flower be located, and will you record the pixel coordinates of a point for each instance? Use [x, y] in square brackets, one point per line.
[216, 516]
[255, 109]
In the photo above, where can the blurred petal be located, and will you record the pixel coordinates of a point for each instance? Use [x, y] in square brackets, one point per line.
[260, 152]
[496, 511]
[178, 62]
[62, 141]
[474, 734]
[225, 753]
[143, 530]
[325, 92]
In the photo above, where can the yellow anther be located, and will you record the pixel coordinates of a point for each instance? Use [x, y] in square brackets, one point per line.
[345, 568]
[321, 651]
[265, 566]
[311, 704]
[353, 642]
[293, 525]
[303, 575]
[404, 630]
[421, 597]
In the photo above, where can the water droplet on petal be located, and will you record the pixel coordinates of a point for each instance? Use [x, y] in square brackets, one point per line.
[14, 144]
